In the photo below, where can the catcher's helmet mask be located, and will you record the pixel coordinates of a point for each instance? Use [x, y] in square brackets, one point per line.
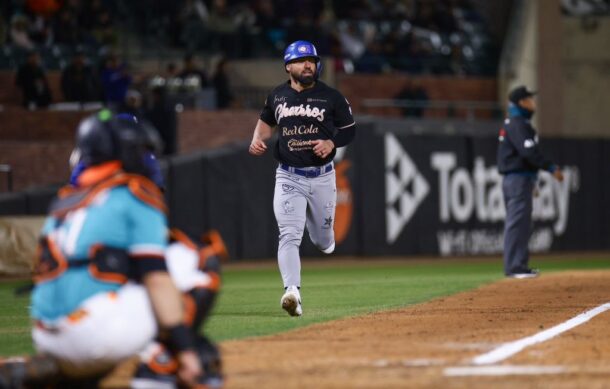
[104, 137]
[302, 49]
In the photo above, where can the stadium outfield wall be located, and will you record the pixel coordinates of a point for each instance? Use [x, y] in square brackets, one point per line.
[399, 193]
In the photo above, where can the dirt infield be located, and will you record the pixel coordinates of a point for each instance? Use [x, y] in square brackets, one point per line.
[430, 345]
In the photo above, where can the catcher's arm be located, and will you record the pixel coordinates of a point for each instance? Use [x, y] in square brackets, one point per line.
[167, 305]
[262, 132]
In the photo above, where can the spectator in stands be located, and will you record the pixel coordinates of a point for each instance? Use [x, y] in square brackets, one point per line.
[133, 104]
[192, 20]
[220, 81]
[171, 71]
[191, 74]
[115, 81]
[268, 25]
[65, 28]
[307, 28]
[162, 115]
[89, 12]
[173, 81]
[223, 28]
[457, 63]
[416, 97]
[42, 11]
[32, 81]
[79, 81]
[352, 43]
[415, 61]
[104, 30]
[19, 32]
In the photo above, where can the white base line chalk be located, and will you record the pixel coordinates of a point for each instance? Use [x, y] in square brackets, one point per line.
[507, 350]
[501, 370]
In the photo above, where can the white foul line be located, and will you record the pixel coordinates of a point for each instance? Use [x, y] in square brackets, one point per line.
[501, 370]
[509, 349]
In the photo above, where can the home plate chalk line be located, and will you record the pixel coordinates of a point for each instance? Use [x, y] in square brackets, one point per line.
[484, 362]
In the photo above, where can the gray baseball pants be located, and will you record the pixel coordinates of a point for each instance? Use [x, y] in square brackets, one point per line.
[301, 202]
[518, 191]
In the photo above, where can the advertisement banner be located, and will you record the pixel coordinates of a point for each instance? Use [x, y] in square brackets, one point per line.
[443, 195]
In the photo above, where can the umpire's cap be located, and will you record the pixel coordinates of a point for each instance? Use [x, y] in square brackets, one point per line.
[519, 93]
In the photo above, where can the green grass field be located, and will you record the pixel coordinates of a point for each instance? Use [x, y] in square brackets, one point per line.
[249, 304]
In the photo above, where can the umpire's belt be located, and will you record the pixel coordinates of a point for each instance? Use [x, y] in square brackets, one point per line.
[309, 172]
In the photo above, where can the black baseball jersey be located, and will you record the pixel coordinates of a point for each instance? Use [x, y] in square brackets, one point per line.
[318, 112]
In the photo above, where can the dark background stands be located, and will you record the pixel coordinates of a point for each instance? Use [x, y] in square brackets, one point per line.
[162, 115]
[32, 81]
[79, 81]
[221, 84]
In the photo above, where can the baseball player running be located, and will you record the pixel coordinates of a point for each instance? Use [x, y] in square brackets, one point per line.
[313, 119]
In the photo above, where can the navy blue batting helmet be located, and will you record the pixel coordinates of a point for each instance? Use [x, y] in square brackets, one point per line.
[104, 137]
[302, 49]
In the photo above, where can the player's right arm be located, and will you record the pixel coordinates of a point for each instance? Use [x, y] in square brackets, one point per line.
[262, 132]
[149, 237]
[167, 305]
[264, 128]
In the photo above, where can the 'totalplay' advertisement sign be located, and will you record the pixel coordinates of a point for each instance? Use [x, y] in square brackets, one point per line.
[444, 195]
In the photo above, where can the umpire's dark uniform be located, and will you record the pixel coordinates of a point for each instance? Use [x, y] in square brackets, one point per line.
[519, 160]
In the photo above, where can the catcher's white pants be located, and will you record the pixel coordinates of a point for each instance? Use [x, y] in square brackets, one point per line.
[110, 327]
[107, 328]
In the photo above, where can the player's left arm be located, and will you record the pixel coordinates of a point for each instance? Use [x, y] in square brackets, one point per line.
[345, 125]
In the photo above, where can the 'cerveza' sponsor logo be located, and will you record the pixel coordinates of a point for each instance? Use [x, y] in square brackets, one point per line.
[283, 110]
[298, 145]
[300, 130]
[405, 187]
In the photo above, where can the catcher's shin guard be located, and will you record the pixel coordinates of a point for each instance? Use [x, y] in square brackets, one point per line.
[158, 367]
[205, 297]
[203, 300]
[210, 362]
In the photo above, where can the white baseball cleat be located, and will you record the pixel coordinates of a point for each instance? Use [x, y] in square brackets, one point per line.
[329, 250]
[291, 301]
[529, 273]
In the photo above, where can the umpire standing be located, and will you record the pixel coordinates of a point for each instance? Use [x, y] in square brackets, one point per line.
[519, 160]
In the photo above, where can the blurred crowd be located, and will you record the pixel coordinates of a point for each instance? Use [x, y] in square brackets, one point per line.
[152, 100]
[417, 36]
[82, 39]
